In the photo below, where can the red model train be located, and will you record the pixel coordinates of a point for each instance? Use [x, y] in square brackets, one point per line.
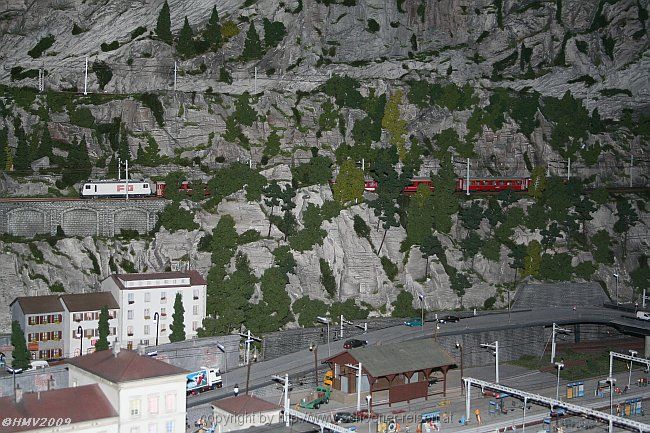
[476, 184]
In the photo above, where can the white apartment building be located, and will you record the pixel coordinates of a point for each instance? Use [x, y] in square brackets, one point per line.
[51, 323]
[146, 305]
[148, 395]
[81, 313]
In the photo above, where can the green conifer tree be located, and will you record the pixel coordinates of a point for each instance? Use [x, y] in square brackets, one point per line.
[77, 165]
[103, 330]
[178, 322]
[185, 46]
[212, 32]
[20, 355]
[124, 151]
[252, 45]
[3, 149]
[349, 183]
[45, 145]
[164, 25]
[23, 159]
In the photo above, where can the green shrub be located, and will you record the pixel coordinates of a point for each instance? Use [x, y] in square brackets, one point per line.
[274, 32]
[36, 253]
[614, 92]
[76, 30]
[151, 101]
[248, 236]
[390, 268]
[344, 90]
[224, 75]
[81, 116]
[489, 303]
[308, 310]
[373, 26]
[501, 65]
[318, 171]
[110, 47]
[403, 305]
[175, 218]
[41, 47]
[103, 72]
[229, 29]
[57, 287]
[18, 73]
[585, 270]
[327, 278]
[138, 32]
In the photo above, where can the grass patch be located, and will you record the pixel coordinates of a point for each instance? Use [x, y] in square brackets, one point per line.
[577, 365]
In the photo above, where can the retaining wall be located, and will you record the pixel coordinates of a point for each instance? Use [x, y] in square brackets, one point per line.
[79, 217]
[37, 380]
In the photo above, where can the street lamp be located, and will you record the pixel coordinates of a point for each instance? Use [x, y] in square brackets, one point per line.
[368, 399]
[326, 321]
[611, 382]
[421, 296]
[559, 366]
[460, 347]
[80, 336]
[225, 356]
[494, 346]
[616, 276]
[314, 348]
[16, 371]
[629, 378]
[156, 317]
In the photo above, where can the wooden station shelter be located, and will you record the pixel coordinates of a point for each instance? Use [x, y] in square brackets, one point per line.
[402, 369]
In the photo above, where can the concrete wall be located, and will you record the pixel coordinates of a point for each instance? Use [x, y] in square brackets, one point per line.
[37, 380]
[200, 352]
[280, 343]
[79, 217]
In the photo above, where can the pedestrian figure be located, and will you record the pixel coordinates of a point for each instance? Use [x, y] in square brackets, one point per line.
[618, 410]
[236, 390]
[477, 412]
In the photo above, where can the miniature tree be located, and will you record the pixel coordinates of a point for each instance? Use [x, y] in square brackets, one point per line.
[178, 325]
[185, 46]
[349, 183]
[164, 25]
[103, 329]
[212, 32]
[252, 45]
[20, 355]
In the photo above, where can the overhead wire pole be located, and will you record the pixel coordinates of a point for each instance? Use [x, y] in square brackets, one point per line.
[467, 186]
[556, 329]
[611, 419]
[86, 78]
[494, 346]
[625, 357]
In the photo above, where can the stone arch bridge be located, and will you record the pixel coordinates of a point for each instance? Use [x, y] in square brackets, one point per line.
[28, 217]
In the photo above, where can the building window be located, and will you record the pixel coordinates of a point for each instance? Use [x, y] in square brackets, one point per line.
[135, 429]
[129, 314]
[144, 342]
[113, 331]
[146, 329]
[196, 294]
[147, 313]
[195, 309]
[170, 426]
[89, 333]
[163, 312]
[153, 404]
[163, 297]
[112, 314]
[134, 406]
[147, 297]
[77, 317]
[153, 428]
[170, 402]
[195, 325]
[131, 298]
[129, 331]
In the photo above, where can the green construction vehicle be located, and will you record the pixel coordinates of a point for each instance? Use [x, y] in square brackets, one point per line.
[321, 396]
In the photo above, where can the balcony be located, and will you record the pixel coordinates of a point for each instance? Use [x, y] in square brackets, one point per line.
[147, 317]
[196, 298]
[130, 334]
[131, 302]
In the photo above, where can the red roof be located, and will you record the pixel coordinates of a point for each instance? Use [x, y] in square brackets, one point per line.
[126, 366]
[244, 404]
[195, 279]
[39, 304]
[81, 403]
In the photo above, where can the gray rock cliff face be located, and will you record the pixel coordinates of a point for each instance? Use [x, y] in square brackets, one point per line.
[456, 41]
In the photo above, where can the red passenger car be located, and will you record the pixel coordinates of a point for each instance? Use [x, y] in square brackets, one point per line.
[493, 184]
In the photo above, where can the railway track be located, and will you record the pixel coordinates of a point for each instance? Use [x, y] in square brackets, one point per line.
[620, 190]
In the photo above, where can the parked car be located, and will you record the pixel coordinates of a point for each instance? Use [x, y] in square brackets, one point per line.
[353, 342]
[414, 322]
[11, 370]
[363, 414]
[345, 418]
[38, 364]
[558, 412]
[643, 315]
[449, 319]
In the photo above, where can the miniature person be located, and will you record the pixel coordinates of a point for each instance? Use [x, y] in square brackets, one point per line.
[236, 390]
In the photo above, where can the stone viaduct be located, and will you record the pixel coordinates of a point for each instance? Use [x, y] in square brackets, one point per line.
[78, 217]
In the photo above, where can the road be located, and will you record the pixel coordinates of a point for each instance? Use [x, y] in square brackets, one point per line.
[303, 361]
